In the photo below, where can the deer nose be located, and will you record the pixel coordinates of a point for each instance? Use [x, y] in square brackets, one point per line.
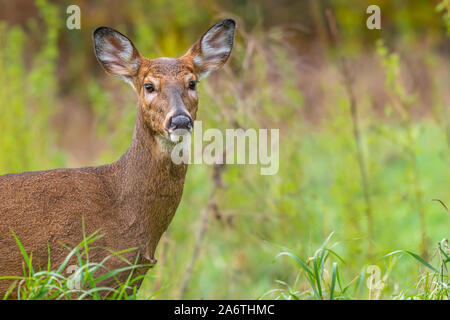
[181, 122]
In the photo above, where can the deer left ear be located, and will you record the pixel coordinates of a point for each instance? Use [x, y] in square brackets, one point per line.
[116, 53]
[212, 50]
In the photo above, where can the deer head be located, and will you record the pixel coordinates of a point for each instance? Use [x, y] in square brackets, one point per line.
[166, 87]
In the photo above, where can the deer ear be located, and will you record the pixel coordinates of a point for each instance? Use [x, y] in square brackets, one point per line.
[116, 53]
[212, 50]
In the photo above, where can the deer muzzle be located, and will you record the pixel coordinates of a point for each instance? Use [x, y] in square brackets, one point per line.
[179, 125]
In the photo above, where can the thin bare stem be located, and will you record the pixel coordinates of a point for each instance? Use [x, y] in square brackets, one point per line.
[198, 243]
[348, 77]
[211, 205]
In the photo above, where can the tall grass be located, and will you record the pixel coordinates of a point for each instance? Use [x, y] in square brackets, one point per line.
[326, 282]
[28, 94]
[78, 277]
[401, 102]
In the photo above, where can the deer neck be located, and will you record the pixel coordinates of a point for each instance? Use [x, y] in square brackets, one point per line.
[150, 185]
[147, 167]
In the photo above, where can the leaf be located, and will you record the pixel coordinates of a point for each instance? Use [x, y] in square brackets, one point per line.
[309, 276]
[24, 253]
[333, 280]
[442, 203]
[297, 259]
[415, 256]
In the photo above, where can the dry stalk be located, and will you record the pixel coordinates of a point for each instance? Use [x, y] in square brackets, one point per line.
[348, 77]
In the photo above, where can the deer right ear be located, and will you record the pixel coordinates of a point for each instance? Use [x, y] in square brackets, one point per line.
[116, 53]
[213, 49]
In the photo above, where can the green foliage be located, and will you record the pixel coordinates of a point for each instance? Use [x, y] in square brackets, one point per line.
[432, 284]
[28, 96]
[323, 284]
[444, 7]
[85, 282]
[326, 282]
[402, 102]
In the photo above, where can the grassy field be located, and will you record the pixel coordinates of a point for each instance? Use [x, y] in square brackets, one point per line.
[364, 162]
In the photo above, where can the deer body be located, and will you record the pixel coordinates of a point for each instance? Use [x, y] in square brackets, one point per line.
[131, 201]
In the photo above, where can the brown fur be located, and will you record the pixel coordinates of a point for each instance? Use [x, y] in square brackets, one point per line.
[131, 201]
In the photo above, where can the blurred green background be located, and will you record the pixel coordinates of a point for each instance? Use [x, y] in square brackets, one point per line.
[59, 109]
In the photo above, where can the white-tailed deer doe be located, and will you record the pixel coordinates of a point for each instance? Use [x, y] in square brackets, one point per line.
[133, 200]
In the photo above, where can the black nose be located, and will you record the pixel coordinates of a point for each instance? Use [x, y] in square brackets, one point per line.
[180, 122]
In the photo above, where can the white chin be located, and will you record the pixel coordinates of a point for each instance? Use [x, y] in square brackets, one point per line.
[174, 137]
[168, 142]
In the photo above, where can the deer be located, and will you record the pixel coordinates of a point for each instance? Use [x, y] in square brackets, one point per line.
[131, 201]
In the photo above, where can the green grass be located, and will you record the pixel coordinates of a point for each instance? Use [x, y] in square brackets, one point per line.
[317, 191]
[84, 280]
[325, 281]
[321, 272]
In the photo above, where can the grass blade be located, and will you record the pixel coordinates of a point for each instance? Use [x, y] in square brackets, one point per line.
[333, 280]
[415, 256]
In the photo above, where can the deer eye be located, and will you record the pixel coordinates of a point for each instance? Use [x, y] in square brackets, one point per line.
[149, 87]
[193, 84]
